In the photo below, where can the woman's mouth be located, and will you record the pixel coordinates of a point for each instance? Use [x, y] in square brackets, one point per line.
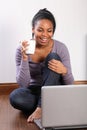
[44, 40]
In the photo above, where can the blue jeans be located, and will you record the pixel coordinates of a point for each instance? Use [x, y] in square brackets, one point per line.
[49, 76]
[27, 99]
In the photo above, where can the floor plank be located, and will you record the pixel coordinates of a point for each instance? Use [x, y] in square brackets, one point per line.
[12, 119]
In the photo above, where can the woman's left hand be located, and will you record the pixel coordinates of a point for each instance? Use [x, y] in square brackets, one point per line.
[57, 66]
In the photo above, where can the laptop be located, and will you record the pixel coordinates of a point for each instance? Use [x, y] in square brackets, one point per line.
[64, 107]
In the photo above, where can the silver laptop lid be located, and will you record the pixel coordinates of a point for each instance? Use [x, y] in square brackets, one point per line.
[64, 106]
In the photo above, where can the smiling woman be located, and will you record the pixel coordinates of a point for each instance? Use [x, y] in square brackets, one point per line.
[49, 65]
[71, 29]
[43, 32]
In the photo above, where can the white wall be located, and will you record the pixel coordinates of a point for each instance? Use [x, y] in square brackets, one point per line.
[15, 25]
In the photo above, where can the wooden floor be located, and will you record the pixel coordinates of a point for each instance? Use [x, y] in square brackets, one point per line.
[12, 119]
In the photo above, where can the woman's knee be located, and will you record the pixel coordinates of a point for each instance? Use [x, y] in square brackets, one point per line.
[52, 56]
[22, 99]
[16, 97]
[13, 98]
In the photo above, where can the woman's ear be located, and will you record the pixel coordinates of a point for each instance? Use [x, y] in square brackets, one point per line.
[32, 33]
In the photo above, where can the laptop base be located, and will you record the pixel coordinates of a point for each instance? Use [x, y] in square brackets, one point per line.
[67, 128]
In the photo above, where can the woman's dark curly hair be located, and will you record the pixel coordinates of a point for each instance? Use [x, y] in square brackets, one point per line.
[44, 14]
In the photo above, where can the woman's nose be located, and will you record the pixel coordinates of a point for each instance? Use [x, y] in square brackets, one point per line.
[44, 33]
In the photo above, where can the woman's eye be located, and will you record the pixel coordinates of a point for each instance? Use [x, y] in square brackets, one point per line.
[40, 30]
[50, 31]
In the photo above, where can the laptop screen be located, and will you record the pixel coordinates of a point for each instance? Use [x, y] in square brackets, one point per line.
[64, 106]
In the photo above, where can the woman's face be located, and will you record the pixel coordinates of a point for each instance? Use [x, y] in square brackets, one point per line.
[43, 32]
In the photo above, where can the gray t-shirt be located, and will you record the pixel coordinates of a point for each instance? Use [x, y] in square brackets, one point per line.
[30, 73]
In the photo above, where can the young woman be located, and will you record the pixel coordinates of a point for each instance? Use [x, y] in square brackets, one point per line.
[49, 65]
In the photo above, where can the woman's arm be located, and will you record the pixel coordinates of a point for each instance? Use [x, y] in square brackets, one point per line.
[22, 69]
[64, 66]
[65, 58]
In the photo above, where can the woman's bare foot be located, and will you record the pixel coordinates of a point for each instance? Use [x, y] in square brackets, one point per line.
[35, 115]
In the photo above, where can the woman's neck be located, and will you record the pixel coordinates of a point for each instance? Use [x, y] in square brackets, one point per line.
[48, 45]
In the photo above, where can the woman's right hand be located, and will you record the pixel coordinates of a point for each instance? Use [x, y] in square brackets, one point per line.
[23, 50]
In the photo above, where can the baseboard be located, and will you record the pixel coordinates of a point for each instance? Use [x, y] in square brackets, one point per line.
[7, 88]
[80, 82]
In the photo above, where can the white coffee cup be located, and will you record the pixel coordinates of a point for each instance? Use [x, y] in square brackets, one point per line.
[31, 46]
